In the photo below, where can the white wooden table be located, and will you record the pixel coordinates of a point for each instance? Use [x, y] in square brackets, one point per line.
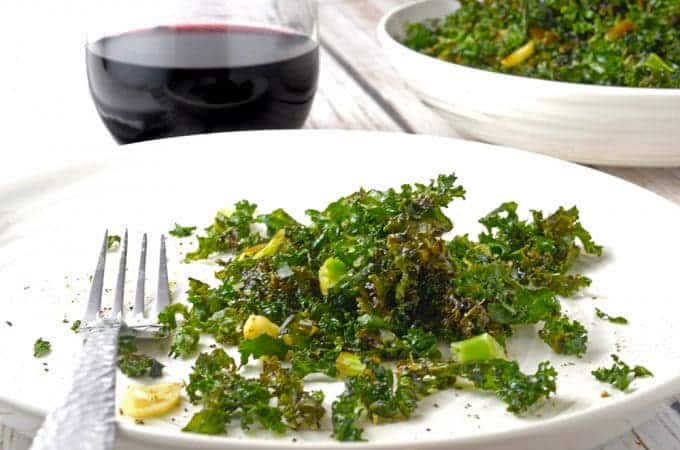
[45, 111]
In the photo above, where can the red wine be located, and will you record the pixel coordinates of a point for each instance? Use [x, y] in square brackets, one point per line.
[177, 80]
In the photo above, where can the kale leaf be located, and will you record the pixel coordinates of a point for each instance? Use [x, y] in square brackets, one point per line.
[346, 412]
[526, 306]
[505, 379]
[41, 348]
[263, 345]
[620, 375]
[613, 319]
[135, 364]
[565, 336]
[181, 231]
[274, 401]
[184, 341]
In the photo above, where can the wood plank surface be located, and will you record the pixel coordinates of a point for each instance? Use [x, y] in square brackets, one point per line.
[348, 32]
[341, 103]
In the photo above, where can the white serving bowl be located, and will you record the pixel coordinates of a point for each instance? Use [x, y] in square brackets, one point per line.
[603, 125]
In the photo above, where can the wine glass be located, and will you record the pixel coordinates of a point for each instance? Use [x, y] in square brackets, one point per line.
[161, 68]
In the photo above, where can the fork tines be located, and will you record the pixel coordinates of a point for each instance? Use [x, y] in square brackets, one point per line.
[92, 312]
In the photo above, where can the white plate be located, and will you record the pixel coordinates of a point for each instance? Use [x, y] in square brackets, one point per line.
[590, 124]
[51, 225]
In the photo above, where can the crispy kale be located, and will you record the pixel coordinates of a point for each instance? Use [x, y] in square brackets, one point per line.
[346, 410]
[135, 364]
[41, 348]
[181, 231]
[301, 410]
[372, 392]
[620, 43]
[620, 375]
[274, 401]
[373, 278]
[505, 379]
[613, 319]
[565, 336]
[541, 251]
[240, 230]
[184, 341]
[263, 345]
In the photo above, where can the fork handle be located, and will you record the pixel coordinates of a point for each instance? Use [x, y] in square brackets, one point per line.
[85, 420]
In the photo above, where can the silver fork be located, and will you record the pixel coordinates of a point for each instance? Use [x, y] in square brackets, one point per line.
[85, 420]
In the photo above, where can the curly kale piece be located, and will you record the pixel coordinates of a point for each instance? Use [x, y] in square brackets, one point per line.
[225, 395]
[504, 378]
[241, 230]
[565, 336]
[181, 231]
[620, 375]
[380, 395]
[184, 341]
[372, 392]
[135, 364]
[613, 319]
[542, 251]
[346, 413]
[229, 232]
[311, 360]
[275, 401]
[263, 345]
[41, 348]
[524, 307]
[301, 410]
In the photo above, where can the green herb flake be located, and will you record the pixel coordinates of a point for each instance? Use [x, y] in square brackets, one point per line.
[113, 242]
[41, 348]
[181, 231]
[613, 319]
[620, 375]
[75, 326]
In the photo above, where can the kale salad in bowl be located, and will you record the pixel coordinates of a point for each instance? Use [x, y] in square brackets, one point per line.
[611, 43]
[589, 81]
